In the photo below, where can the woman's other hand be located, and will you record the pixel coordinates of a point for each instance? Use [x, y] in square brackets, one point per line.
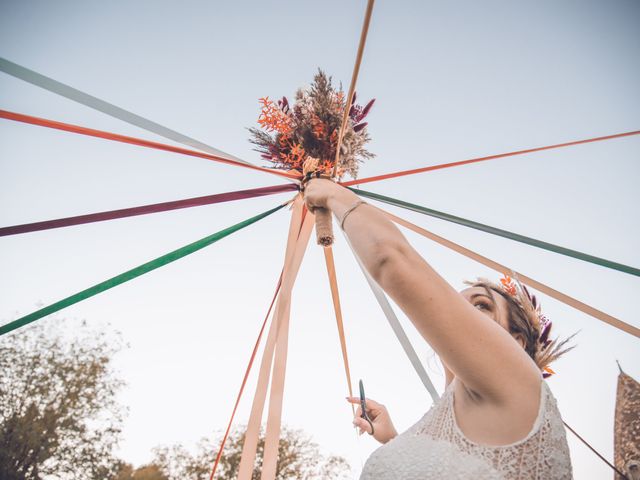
[382, 424]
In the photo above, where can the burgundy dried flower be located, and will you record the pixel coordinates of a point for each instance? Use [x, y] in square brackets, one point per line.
[360, 126]
[365, 110]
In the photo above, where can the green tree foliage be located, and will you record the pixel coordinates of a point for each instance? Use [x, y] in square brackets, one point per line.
[299, 458]
[59, 417]
[146, 472]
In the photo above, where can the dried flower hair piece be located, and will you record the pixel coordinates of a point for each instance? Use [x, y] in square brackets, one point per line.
[508, 285]
[546, 349]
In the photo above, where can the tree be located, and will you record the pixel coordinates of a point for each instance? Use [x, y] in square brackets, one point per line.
[146, 472]
[299, 458]
[59, 417]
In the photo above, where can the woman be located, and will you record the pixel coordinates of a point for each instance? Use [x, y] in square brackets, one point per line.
[497, 419]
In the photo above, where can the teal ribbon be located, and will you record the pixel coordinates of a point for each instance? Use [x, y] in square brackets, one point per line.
[133, 273]
[501, 233]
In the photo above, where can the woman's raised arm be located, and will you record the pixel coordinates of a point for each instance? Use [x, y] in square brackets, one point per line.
[482, 354]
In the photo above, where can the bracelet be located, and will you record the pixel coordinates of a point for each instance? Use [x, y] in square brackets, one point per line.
[349, 210]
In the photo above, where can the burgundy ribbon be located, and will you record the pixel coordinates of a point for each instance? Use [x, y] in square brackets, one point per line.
[145, 209]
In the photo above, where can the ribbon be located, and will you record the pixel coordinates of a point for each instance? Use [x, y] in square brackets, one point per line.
[90, 101]
[244, 381]
[335, 296]
[67, 127]
[484, 159]
[297, 241]
[133, 273]
[146, 209]
[276, 397]
[501, 233]
[598, 454]
[395, 325]
[354, 78]
[566, 299]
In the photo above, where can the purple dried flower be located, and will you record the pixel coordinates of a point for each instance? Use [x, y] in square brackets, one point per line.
[532, 298]
[366, 109]
[546, 330]
[359, 127]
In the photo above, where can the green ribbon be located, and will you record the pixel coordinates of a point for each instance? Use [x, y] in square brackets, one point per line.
[133, 273]
[501, 233]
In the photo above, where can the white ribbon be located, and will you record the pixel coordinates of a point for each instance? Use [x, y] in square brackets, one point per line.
[397, 328]
[90, 101]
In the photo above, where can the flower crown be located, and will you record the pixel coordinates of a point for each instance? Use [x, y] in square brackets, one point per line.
[540, 322]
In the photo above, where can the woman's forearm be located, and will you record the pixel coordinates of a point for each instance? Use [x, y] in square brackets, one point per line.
[376, 240]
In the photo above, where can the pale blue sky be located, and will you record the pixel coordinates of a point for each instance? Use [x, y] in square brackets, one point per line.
[453, 80]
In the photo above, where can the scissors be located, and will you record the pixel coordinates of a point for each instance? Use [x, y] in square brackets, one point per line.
[363, 405]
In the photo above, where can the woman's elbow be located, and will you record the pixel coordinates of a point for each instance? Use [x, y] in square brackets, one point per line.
[390, 260]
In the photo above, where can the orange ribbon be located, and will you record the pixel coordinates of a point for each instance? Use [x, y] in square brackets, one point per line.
[566, 299]
[43, 122]
[335, 295]
[403, 173]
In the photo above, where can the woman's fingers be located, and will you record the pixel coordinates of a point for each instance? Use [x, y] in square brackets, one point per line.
[373, 408]
[362, 425]
[377, 413]
[316, 192]
[370, 403]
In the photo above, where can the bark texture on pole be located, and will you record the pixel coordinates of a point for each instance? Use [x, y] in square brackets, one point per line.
[626, 442]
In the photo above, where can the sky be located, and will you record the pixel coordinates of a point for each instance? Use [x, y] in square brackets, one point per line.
[452, 80]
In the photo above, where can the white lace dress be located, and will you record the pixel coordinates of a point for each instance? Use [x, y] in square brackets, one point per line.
[435, 448]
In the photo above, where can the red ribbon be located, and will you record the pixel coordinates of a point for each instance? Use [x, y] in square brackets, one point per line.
[145, 209]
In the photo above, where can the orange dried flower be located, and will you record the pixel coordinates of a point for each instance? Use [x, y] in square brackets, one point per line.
[508, 285]
[297, 152]
[273, 118]
[284, 140]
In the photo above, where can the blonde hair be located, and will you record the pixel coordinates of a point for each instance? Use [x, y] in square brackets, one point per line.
[526, 319]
